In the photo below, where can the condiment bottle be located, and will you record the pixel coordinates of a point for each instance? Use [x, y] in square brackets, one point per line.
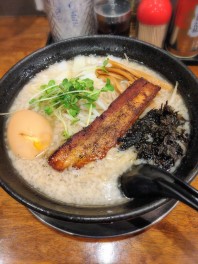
[183, 37]
[113, 16]
[153, 17]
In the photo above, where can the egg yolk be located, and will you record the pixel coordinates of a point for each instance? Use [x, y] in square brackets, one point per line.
[28, 134]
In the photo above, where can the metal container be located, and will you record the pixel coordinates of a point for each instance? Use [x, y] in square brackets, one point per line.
[183, 35]
[68, 18]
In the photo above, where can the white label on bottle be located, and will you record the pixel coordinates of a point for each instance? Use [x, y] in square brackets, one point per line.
[193, 31]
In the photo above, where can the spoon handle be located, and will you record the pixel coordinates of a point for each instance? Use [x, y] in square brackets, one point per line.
[173, 187]
[146, 181]
[186, 186]
[180, 191]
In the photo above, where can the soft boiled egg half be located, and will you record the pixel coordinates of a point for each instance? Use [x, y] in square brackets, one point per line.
[28, 133]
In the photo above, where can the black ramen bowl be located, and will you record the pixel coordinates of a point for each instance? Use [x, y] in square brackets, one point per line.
[156, 59]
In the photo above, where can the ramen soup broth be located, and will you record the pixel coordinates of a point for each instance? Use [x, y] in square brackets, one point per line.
[96, 182]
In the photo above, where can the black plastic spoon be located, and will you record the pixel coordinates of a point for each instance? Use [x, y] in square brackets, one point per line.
[149, 181]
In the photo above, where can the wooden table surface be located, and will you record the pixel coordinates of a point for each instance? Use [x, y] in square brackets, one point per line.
[23, 239]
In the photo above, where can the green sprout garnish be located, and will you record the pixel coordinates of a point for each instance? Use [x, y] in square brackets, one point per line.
[57, 99]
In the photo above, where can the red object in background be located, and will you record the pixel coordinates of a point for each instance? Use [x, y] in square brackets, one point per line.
[153, 17]
[185, 11]
[183, 39]
[154, 12]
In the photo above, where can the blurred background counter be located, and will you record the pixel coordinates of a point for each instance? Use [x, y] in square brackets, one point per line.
[23, 239]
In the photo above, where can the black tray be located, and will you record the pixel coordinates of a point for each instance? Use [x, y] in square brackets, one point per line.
[116, 229]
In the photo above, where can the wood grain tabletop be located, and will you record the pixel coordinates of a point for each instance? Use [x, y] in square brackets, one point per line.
[24, 239]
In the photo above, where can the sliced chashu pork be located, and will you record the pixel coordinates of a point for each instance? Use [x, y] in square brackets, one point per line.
[94, 141]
